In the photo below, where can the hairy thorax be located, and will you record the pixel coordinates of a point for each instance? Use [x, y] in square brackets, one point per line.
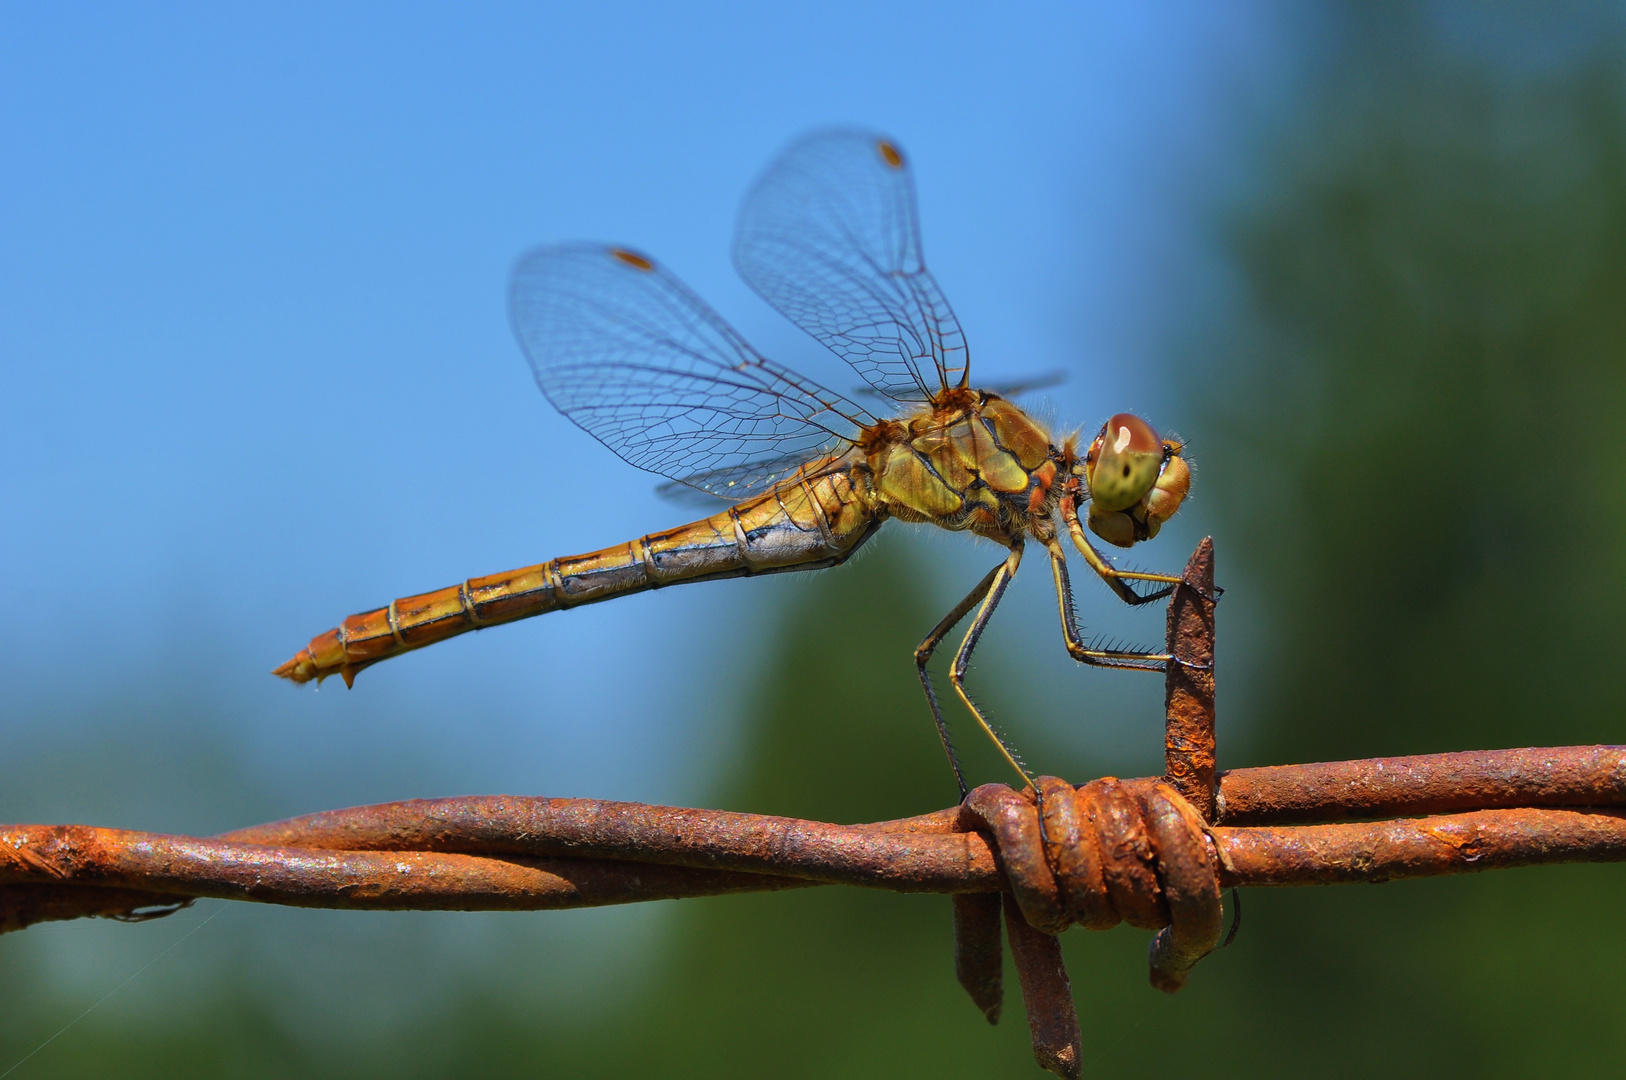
[973, 461]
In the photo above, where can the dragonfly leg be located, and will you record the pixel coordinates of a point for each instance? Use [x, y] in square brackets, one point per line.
[1113, 658]
[1118, 580]
[998, 581]
[924, 654]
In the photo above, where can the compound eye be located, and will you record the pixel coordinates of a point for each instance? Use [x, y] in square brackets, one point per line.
[1127, 432]
[1093, 454]
[1127, 464]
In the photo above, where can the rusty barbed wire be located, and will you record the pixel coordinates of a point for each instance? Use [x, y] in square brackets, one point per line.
[1156, 853]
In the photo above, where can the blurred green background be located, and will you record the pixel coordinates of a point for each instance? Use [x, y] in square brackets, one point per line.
[1403, 392]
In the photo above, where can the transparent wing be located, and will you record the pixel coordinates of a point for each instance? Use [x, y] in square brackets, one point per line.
[741, 481]
[830, 236]
[1005, 390]
[622, 348]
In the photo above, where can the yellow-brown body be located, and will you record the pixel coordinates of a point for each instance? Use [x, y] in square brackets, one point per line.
[969, 461]
[972, 461]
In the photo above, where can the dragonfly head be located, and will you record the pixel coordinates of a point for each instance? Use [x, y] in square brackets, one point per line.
[1136, 480]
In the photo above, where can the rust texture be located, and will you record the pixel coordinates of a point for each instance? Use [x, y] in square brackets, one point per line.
[1047, 995]
[1111, 851]
[1427, 784]
[921, 854]
[978, 960]
[168, 868]
[1153, 852]
[1189, 745]
[1420, 847]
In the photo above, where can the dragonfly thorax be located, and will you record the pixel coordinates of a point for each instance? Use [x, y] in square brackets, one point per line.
[980, 464]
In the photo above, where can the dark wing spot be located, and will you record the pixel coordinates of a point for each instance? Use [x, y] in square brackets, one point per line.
[632, 259]
[889, 154]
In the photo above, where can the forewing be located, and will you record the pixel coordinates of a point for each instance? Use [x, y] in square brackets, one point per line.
[622, 348]
[830, 236]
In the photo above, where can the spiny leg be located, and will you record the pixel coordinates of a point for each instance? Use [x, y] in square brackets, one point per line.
[1113, 658]
[1117, 580]
[924, 653]
[999, 580]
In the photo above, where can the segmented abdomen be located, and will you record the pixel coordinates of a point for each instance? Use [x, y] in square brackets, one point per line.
[802, 525]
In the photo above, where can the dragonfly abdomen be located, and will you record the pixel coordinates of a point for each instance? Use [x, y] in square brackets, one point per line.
[804, 525]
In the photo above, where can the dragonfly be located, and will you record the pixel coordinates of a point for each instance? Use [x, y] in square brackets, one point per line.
[829, 236]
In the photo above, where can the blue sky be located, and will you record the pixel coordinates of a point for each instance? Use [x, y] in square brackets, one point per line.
[258, 374]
